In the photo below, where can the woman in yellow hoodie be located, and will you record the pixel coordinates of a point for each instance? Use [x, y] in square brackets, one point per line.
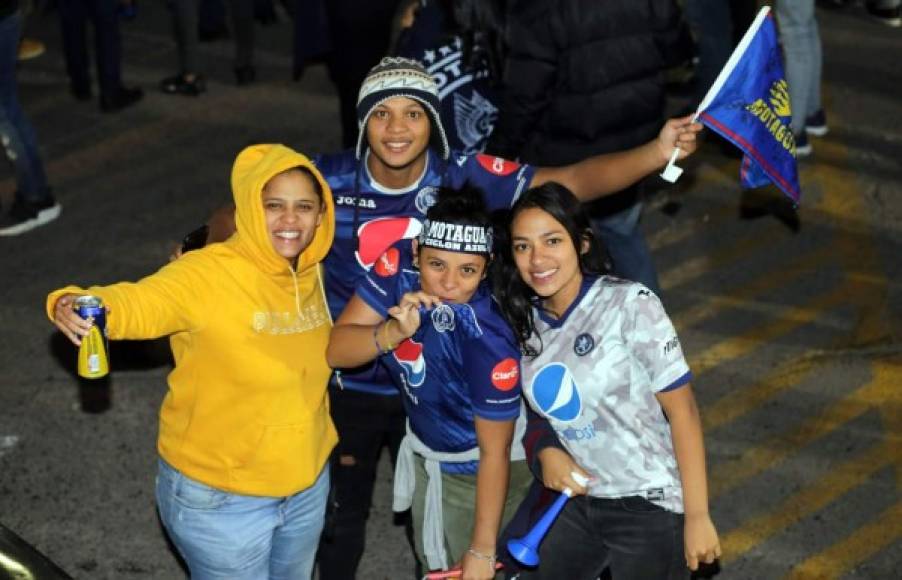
[245, 431]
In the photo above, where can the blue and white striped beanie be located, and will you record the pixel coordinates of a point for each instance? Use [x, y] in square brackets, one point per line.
[400, 77]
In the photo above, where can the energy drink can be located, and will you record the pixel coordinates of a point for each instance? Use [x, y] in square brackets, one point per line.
[93, 354]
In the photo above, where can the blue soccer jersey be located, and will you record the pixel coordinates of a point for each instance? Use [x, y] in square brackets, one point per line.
[462, 362]
[369, 218]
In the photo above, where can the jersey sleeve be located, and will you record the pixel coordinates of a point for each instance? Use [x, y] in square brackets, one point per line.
[381, 288]
[493, 367]
[501, 180]
[653, 340]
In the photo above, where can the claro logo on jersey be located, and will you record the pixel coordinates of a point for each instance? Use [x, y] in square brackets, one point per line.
[409, 355]
[376, 236]
[497, 165]
[506, 374]
[555, 393]
[387, 264]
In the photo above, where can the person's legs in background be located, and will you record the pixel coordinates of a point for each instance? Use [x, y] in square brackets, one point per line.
[33, 204]
[188, 81]
[243, 29]
[360, 38]
[802, 52]
[711, 23]
[73, 23]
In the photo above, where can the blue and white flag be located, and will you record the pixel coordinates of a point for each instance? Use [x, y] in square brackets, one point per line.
[749, 105]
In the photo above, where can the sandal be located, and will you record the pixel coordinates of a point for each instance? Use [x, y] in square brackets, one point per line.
[179, 85]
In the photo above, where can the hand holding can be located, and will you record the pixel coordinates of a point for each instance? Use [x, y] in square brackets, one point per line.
[93, 353]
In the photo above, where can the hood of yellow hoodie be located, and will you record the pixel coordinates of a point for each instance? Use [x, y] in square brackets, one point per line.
[253, 167]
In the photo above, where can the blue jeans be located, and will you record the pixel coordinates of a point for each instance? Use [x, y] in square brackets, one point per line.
[802, 52]
[18, 137]
[626, 245]
[223, 535]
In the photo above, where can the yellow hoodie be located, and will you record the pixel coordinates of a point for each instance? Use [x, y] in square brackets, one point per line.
[247, 409]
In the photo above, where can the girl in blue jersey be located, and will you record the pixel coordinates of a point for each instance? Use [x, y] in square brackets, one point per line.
[426, 312]
[610, 399]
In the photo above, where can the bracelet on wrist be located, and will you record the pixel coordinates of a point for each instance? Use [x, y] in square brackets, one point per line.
[388, 344]
[379, 350]
[490, 558]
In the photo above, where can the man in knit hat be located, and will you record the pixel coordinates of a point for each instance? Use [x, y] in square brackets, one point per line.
[382, 189]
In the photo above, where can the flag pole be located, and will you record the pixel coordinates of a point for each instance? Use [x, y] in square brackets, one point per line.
[671, 172]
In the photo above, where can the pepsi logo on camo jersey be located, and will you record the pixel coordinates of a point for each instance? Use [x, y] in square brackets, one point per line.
[376, 236]
[409, 355]
[505, 374]
[387, 264]
[555, 393]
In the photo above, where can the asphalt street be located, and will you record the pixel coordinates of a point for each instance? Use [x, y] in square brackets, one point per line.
[792, 323]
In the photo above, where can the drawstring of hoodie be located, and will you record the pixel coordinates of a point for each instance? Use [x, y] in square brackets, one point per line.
[297, 291]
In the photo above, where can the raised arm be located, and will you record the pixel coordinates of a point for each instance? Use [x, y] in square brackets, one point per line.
[701, 541]
[361, 334]
[608, 173]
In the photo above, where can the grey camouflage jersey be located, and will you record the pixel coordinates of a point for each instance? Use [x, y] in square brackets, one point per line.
[595, 381]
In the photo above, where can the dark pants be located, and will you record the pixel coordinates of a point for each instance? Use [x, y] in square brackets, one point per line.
[104, 16]
[19, 141]
[365, 424]
[634, 538]
[361, 34]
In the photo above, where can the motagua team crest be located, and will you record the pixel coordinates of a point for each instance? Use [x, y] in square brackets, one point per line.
[776, 114]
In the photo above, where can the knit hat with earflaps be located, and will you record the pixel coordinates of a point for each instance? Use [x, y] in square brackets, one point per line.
[400, 77]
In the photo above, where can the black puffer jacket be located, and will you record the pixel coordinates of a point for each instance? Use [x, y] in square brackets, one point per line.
[583, 77]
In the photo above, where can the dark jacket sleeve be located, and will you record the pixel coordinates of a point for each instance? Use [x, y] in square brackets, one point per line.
[539, 435]
[530, 69]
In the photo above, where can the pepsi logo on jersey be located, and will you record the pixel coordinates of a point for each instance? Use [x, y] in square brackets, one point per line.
[555, 393]
[409, 355]
[376, 236]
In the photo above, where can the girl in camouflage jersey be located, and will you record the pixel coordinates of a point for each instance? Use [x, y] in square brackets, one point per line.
[610, 399]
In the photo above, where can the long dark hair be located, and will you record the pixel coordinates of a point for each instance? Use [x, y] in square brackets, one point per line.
[514, 296]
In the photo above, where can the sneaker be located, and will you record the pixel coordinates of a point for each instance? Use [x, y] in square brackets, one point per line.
[803, 147]
[889, 16]
[179, 85]
[122, 98]
[24, 216]
[816, 123]
[30, 48]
